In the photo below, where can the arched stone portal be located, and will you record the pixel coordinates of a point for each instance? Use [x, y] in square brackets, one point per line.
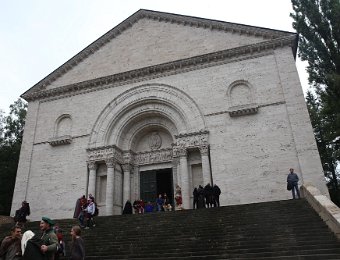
[147, 128]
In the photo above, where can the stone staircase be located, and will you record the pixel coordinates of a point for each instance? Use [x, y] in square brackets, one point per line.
[288, 229]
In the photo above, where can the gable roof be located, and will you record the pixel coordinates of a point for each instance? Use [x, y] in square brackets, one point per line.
[269, 34]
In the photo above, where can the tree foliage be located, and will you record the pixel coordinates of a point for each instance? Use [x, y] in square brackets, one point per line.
[11, 132]
[318, 25]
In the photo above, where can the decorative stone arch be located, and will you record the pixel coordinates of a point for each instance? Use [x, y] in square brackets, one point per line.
[241, 90]
[241, 98]
[62, 131]
[63, 125]
[143, 103]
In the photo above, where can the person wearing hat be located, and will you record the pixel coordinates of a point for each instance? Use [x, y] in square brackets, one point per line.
[49, 238]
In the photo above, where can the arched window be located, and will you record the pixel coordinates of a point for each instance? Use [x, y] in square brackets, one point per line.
[241, 98]
[62, 131]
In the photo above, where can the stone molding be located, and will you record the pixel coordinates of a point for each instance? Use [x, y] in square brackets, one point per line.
[160, 70]
[112, 155]
[61, 140]
[161, 17]
[243, 110]
[105, 153]
[157, 156]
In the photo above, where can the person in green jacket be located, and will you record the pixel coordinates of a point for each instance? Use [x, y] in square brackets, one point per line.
[49, 238]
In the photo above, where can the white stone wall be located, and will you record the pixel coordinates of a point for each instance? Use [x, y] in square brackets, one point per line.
[250, 154]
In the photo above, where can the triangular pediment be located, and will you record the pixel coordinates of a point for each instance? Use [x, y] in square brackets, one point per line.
[148, 38]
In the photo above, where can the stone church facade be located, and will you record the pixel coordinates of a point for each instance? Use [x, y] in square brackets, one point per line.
[165, 99]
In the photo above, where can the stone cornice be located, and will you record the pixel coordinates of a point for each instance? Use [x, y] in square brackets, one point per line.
[248, 109]
[164, 69]
[62, 140]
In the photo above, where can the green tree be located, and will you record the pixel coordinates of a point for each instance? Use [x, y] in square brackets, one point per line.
[11, 132]
[318, 25]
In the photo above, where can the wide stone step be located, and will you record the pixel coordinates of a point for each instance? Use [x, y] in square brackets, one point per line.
[272, 230]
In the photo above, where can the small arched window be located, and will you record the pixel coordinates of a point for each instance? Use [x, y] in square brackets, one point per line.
[62, 131]
[241, 98]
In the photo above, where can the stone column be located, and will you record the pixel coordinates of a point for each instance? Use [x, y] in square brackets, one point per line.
[110, 179]
[175, 176]
[204, 149]
[127, 185]
[185, 182]
[92, 178]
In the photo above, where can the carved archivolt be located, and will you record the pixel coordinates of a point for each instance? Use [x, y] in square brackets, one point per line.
[140, 102]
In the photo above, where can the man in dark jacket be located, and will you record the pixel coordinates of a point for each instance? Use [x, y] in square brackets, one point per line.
[208, 193]
[293, 180]
[216, 193]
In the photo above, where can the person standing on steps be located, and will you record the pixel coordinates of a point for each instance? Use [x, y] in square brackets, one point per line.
[127, 208]
[49, 238]
[159, 203]
[292, 180]
[216, 195]
[201, 198]
[77, 247]
[195, 201]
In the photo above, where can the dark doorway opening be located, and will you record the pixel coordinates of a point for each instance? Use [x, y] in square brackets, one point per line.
[156, 182]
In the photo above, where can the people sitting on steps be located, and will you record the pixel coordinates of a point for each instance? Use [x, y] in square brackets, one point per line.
[89, 213]
[166, 205]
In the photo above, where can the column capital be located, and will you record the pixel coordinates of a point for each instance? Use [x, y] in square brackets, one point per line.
[182, 152]
[179, 151]
[204, 149]
[127, 167]
[92, 165]
[110, 162]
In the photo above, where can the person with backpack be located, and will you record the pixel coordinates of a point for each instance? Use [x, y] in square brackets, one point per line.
[90, 212]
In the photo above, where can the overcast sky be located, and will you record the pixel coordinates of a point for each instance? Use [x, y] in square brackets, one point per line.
[37, 36]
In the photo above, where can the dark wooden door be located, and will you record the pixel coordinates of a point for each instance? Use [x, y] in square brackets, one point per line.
[148, 185]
